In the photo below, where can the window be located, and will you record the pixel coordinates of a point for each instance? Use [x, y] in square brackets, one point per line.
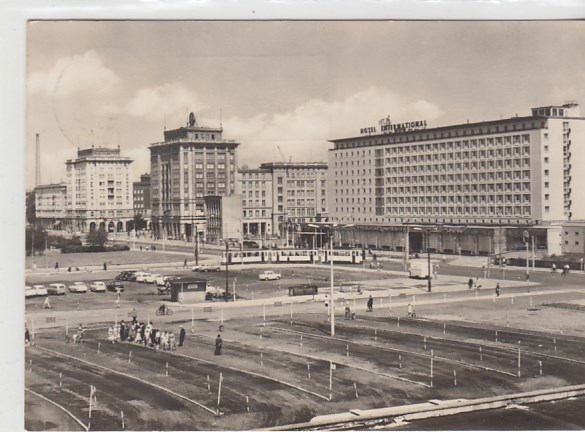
[546, 172]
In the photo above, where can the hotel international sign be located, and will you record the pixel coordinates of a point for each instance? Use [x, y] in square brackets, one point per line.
[386, 126]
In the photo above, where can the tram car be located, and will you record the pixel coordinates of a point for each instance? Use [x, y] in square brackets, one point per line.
[306, 256]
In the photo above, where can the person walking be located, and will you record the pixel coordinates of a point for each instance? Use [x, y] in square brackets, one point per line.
[566, 269]
[122, 331]
[347, 311]
[470, 283]
[497, 290]
[218, 345]
[105, 267]
[410, 310]
[182, 334]
[26, 337]
[370, 304]
[185, 263]
[554, 268]
[57, 266]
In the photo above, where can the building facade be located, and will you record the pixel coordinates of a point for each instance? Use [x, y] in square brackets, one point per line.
[475, 188]
[299, 197]
[50, 205]
[223, 219]
[255, 186]
[99, 190]
[141, 200]
[191, 163]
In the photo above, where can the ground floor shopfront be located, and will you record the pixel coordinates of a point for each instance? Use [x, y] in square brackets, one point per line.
[460, 240]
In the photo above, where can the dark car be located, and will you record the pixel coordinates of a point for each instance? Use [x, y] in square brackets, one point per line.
[115, 286]
[125, 275]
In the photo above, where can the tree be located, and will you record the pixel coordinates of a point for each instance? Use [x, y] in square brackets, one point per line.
[35, 236]
[139, 221]
[97, 237]
[31, 208]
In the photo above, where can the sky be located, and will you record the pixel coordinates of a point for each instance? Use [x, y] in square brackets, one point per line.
[283, 88]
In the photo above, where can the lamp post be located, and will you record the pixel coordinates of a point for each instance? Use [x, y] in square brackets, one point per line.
[227, 248]
[430, 274]
[331, 227]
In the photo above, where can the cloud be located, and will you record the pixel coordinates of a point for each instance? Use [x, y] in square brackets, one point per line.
[75, 74]
[304, 131]
[169, 100]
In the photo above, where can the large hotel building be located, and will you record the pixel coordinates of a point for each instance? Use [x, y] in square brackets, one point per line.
[473, 188]
[192, 164]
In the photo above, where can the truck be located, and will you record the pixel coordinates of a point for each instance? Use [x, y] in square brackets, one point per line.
[419, 269]
[269, 275]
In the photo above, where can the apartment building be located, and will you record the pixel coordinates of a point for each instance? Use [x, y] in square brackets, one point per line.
[99, 190]
[191, 163]
[465, 188]
[255, 185]
[141, 199]
[50, 205]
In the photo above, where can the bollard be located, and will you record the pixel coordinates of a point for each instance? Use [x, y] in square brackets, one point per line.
[512, 300]
[355, 388]
[122, 416]
[247, 404]
[480, 355]
[530, 301]
[167, 369]
[261, 359]
[540, 366]
[496, 335]
[301, 341]
[208, 384]
[444, 328]
[454, 377]
[476, 295]
[381, 302]
[130, 357]
[555, 343]
[60, 380]
[399, 361]
[347, 351]
[264, 312]
[30, 365]
[432, 358]
[561, 329]
[518, 362]
[507, 323]
[425, 343]
[376, 335]
[309, 370]
[398, 322]
[99, 347]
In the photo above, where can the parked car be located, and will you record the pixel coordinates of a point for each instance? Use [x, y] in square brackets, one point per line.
[141, 276]
[151, 278]
[125, 275]
[115, 286]
[269, 275]
[29, 292]
[78, 287]
[207, 268]
[41, 290]
[98, 286]
[162, 280]
[56, 289]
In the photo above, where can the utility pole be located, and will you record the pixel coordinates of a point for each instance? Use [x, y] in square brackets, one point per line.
[430, 276]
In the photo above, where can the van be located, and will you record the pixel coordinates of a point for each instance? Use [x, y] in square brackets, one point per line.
[419, 269]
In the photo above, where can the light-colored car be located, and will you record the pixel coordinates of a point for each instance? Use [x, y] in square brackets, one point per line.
[141, 276]
[29, 292]
[98, 286]
[78, 287]
[151, 278]
[207, 268]
[41, 290]
[56, 289]
[269, 275]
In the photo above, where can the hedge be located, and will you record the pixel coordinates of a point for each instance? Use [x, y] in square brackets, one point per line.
[89, 249]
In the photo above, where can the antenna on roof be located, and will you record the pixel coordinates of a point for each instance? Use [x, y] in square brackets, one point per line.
[220, 121]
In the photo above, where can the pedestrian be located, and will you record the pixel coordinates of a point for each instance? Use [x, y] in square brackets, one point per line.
[118, 301]
[26, 337]
[57, 266]
[218, 345]
[47, 304]
[411, 310]
[470, 283]
[436, 271]
[69, 269]
[182, 334]
[122, 331]
[370, 304]
[140, 248]
[105, 266]
[554, 268]
[566, 268]
[497, 290]
[134, 316]
[347, 311]
[185, 263]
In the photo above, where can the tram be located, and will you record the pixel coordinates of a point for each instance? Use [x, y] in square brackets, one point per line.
[307, 256]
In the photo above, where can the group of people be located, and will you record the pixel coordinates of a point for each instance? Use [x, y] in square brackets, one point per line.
[565, 269]
[145, 334]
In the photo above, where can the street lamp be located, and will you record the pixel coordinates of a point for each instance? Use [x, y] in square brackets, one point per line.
[227, 247]
[331, 227]
[427, 231]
